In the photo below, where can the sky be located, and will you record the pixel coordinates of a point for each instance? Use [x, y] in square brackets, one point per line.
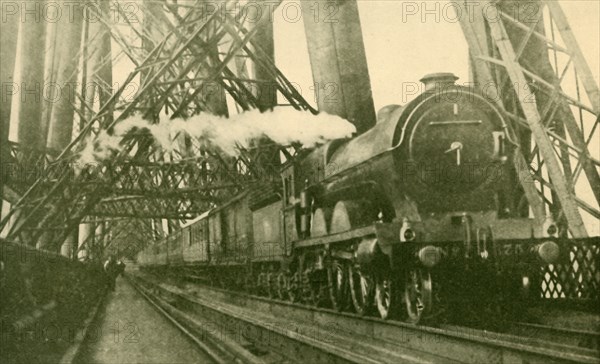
[400, 47]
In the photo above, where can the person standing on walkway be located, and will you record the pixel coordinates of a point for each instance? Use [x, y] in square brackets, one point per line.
[111, 271]
[120, 267]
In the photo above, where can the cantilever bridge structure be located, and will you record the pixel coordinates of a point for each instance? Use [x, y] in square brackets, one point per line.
[199, 56]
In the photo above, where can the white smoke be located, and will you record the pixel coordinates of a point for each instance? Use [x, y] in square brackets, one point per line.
[283, 125]
[98, 149]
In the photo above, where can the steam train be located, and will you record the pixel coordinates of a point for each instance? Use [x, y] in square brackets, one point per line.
[409, 218]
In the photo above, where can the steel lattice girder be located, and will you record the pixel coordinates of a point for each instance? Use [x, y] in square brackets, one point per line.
[126, 235]
[549, 114]
[179, 189]
[22, 166]
[35, 215]
[153, 207]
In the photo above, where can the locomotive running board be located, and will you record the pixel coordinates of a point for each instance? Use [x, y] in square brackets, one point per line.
[346, 235]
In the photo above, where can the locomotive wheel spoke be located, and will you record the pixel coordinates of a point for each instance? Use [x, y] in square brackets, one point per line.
[307, 289]
[248, 284]
[262, 287]
[337, 281]
[319, 288]
[385, 295]
[270, 281]
[258, 286]
[361, 289]
[281, 285]
[418, 294]
[292, 285]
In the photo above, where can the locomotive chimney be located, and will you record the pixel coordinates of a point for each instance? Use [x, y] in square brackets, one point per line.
[439, 80]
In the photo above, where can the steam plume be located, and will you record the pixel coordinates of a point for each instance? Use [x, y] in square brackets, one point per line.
[282, 125]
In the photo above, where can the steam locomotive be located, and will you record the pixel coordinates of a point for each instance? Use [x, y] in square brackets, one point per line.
[416, 213]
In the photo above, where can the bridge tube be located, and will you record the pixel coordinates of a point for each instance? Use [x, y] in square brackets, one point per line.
[338, 61]
[25, 121]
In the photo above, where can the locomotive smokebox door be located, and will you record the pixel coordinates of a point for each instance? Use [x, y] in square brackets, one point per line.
[454, 142]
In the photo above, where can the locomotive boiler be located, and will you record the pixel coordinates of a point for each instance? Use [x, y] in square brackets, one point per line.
[392, 220]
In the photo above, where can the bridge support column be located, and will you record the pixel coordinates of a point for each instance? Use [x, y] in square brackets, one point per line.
[8, 39]
[67, 47]
[95, 250]
[66, 249]
[26, 126]
[338, 61]
[85, 240]
[45, 241]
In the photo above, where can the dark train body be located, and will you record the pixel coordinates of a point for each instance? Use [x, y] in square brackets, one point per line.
[396, 219]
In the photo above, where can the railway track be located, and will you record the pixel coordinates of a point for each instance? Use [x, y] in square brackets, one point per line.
[277, 339]
[221, 349]
[416, 343]
[584, 339]
[575, 341]
[578, 342]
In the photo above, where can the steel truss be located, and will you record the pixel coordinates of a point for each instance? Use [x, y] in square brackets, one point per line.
[141, 180]
[179, 52]
[552, 121]
[125, 235]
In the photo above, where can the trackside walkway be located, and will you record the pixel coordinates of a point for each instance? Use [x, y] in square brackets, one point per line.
[130, 330]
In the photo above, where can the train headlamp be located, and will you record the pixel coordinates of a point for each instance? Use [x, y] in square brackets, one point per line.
[429, 256]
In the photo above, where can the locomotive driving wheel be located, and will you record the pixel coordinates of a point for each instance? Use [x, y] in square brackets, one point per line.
[319, 288]
[293, 286]
[307, 291]
[270, 285]
[281, 285]
[248, 284]
[418, 294]
[337, 280]
[361, 289]
[385, 295]
[261, 285]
